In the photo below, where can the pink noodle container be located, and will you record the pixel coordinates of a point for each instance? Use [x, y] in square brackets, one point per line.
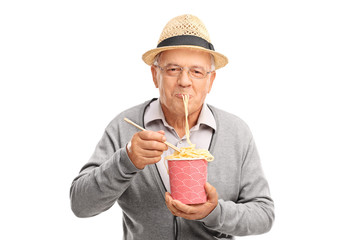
[187, 180]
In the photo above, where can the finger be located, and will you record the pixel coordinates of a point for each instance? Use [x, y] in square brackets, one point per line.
[167, 194]
[186, 209]
[211, 192]
[154, 145]
[152, 160]
[150, 153]
[168, 197]
[168, 202]
[150, 135]
[139, 144]
[161, 132]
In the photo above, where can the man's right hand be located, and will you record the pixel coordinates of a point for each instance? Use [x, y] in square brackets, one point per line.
[146, 148]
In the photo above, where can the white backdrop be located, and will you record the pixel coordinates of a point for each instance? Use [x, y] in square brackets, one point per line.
[68, 67]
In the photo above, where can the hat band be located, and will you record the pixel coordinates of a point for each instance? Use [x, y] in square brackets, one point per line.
[186, 40]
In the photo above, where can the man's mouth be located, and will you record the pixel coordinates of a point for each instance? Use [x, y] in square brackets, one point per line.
[180, 95]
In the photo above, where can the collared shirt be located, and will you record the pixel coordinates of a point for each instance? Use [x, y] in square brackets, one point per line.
[200, 134]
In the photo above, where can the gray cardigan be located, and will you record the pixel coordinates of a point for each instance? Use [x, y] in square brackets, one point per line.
[245, 206]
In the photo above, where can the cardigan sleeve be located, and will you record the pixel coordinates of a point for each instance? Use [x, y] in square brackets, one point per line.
[253, 212]
[103, 179]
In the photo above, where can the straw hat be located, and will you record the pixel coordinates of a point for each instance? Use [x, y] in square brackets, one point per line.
[185, 31]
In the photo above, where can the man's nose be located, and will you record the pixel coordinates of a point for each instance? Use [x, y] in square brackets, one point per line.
[183, 79]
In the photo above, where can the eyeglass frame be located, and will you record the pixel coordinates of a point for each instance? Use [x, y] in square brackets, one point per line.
[182, 69]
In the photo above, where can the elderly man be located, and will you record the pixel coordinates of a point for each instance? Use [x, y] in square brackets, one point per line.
[127, 165]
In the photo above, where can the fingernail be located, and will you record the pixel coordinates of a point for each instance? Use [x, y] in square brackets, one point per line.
[164, 139]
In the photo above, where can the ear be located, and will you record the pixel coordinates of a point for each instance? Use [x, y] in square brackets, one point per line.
[154, 76]
[212, 78]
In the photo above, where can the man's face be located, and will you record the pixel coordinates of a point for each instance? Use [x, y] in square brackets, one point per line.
[172, 88]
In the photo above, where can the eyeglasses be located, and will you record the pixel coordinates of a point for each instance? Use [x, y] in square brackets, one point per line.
[175, 71]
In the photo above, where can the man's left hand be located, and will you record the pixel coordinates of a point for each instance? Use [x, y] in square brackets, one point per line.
[193, 211]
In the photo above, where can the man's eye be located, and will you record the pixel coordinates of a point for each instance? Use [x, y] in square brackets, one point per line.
[173, 70]
[197, 72]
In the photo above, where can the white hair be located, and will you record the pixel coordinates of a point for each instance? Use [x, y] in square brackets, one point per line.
[212, 59]
[156, 59]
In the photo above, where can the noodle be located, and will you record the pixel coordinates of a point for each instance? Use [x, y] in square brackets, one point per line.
[190, 152]
[186, 106]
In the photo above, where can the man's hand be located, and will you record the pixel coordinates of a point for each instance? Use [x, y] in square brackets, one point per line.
[193, 211]
[146, 148]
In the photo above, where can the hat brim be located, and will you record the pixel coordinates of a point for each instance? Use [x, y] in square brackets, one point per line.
[220, 59]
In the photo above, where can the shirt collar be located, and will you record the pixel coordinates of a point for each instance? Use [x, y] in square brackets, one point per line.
[154, 112]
